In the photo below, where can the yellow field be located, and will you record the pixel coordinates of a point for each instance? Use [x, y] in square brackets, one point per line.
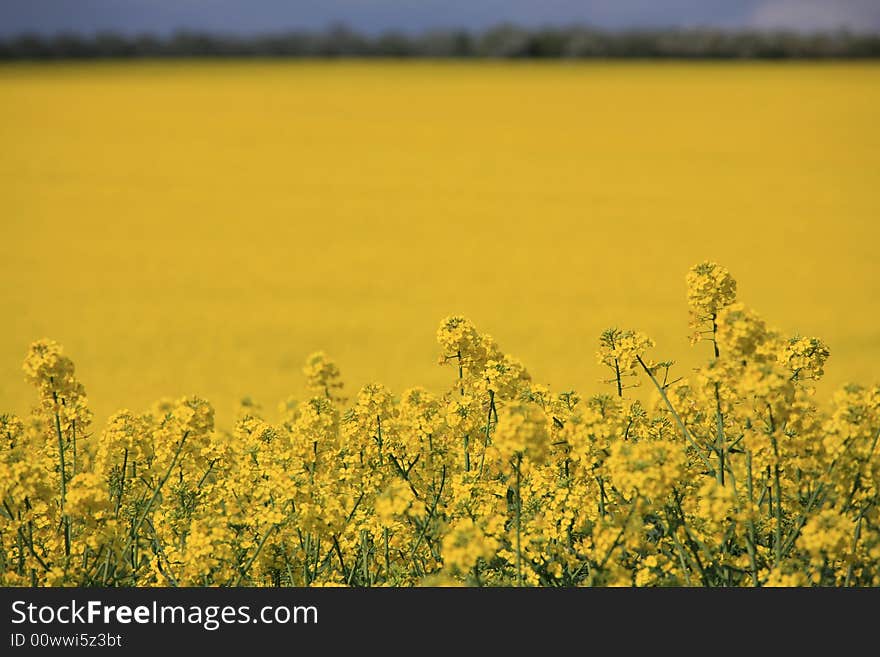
[200, 228]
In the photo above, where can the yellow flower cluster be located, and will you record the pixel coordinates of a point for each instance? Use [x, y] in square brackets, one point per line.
[322, 375]
[622, 351]
[805, 357]
[732, 476]
[710, 289]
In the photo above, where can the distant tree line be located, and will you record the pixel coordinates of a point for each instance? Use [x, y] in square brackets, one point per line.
[503, 41]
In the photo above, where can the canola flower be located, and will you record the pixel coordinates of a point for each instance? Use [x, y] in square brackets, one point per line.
[733, 475]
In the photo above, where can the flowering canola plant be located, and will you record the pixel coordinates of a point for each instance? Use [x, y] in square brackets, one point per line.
[731, 476]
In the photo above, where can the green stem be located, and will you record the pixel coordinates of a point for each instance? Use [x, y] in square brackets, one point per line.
[750, 541]
[681, 558]
[387, 556]
[160, 553]
[379, 438]
[694, 549]
[307, 543]
[339, 554]
[678, 420]
[820, 488]
[64, 519]
[632, 511]
[750, 547]
[73, 448]
[719, 443]
[431, 513]
[121, 483]
[30, 546]
[715, 334]
[365, 556]
[855, 542]
[488, 427]
[254, 556]
[519, 576]
[777, 531]
[140, 521]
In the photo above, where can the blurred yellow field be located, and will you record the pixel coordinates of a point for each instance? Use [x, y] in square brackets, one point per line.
[199, 228]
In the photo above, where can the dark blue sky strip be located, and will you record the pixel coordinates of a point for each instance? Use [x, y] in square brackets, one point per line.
[372, 16]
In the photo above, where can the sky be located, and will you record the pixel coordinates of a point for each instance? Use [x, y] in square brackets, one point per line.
[372, 16]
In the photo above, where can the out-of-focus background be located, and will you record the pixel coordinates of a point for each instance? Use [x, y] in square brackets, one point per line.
[375, 16]
[198, 225]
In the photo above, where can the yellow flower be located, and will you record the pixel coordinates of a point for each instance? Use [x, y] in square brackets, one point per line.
[397, 500]
[87, 496]
[522, 432]
[505, 377]
[742, 334]
[737, 476]
[710, 288]
[322, 375]
[464, 544]
[620, 350]
[804, 357]
[827, 535]
[647, 468]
